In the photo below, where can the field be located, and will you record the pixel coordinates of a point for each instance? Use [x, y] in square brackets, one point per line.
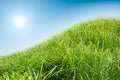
[86, 51]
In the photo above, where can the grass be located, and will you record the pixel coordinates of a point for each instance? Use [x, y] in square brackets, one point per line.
[87, 51]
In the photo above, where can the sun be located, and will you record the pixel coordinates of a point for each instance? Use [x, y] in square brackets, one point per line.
[19, 21]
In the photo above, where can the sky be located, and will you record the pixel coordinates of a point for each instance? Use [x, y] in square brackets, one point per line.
[45, 18]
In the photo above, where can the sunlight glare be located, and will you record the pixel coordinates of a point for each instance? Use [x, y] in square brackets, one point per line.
[19, 22]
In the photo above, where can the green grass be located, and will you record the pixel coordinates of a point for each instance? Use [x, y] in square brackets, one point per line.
[87, 51]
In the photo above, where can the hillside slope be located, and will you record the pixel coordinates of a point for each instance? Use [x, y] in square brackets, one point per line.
[87, 51]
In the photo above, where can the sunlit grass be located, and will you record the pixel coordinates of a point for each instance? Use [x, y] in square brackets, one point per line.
[87, 51]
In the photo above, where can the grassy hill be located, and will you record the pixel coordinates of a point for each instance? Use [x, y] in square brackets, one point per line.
[87, 51]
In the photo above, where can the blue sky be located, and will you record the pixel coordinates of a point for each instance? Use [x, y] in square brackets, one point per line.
[45, 18]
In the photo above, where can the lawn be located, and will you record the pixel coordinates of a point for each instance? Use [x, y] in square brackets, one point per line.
[86, 51]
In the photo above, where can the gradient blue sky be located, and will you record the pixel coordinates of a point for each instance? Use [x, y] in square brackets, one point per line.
[46, 18]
